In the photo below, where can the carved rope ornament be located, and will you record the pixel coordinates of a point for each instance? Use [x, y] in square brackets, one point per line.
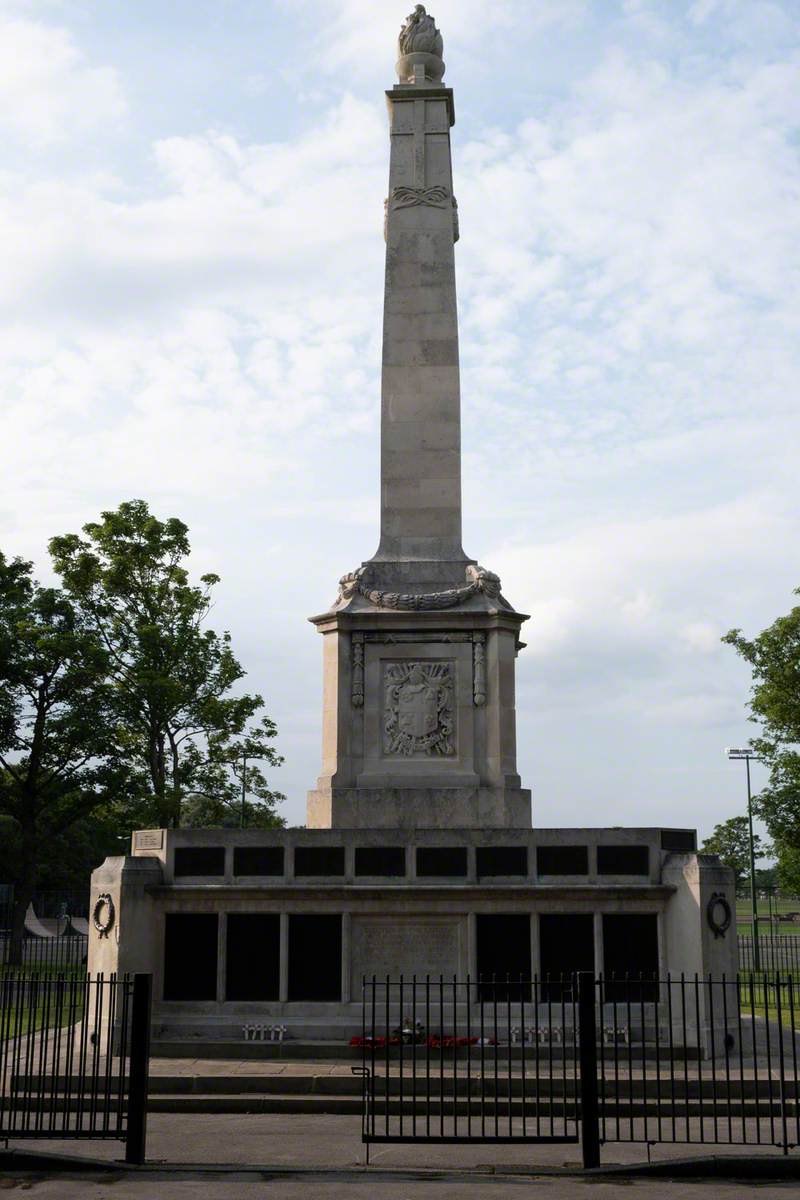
[478, 581]
[103, 924]
[410, 197]
[718, 914]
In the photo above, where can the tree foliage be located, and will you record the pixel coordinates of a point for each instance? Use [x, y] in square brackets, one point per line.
[787, 869]
[731, 841]
[60, 755]
[774, 657]
[182, 726]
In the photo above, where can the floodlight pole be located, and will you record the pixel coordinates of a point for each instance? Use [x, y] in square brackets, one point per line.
[746, 755]
[753, 901]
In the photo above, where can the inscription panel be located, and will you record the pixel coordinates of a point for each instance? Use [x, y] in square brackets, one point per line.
[406, 946]
[148, 839]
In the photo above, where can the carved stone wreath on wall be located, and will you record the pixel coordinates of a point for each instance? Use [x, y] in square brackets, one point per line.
[103, 914]
[719, 914]
[418, 708]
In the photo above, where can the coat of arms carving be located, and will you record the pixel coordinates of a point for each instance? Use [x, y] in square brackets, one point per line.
[418, 708]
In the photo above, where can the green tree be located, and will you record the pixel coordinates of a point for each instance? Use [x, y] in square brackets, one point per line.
[788, 869]
[731, 841]
[183, 729]
[60, 758]
[774, 657]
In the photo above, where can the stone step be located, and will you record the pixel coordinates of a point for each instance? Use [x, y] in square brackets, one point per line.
[323, 1086]
[352, 1105]
[314, 1051]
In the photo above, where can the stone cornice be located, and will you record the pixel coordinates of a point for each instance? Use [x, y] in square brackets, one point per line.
[400, 619]
[466, 892]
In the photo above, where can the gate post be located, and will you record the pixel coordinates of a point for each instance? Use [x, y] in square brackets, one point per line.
[136, 1139]
[587, 1041]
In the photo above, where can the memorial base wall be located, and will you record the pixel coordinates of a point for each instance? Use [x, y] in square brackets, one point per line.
[326, 926]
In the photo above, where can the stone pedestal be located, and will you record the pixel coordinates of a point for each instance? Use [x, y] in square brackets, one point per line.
[419, 724]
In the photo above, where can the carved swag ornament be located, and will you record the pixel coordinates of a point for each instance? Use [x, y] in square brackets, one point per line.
[478, 580]
[418, 707]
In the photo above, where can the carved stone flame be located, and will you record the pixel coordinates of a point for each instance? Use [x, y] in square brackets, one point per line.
[419, 35]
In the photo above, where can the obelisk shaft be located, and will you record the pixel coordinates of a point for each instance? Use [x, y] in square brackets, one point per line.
[419, 726]
[421, 419]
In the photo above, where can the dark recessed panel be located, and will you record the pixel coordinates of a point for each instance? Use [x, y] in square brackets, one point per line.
[562, 860]
[319, 860]
[315, 957]
[623, 860]
[253, 956]
[682, 841]
[630, 956]
[190, 956]
[504, 955]
[258, 860]
[501, 860]
[389, 861]
[442, 860]
[566, 946]
[200, 860]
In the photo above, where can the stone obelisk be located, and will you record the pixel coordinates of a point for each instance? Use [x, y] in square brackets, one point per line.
[420, 646]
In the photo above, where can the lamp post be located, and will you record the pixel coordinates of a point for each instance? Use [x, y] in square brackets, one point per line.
[739, 753]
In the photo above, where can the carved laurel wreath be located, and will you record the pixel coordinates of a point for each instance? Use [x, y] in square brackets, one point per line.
[102, 924]
[716, 905]
[478, 580]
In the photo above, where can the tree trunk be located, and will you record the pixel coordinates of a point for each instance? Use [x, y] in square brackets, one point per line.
[23, 895]
[176, 795]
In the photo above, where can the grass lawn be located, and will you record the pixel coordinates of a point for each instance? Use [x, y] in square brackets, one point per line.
[30, 1000]
[782, 906]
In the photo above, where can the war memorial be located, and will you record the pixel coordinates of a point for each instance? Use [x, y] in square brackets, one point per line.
[419, 855]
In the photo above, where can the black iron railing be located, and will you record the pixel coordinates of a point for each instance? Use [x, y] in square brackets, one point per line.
[716, 1061]
[45, 956]
[683, 1060]
[74, 1058]
[777, 952]
[449, 1060]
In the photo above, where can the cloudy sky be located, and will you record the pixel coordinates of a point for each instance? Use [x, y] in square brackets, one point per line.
[191, 211]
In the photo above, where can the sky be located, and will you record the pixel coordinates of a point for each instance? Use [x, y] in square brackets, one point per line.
[191, 207]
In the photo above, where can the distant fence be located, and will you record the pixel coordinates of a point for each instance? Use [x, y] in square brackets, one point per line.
[46, 956]
[777, 952]
[671, 1060]
[74, 1059]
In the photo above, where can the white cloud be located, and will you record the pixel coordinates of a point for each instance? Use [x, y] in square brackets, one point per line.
[48, 91]
[203, 328]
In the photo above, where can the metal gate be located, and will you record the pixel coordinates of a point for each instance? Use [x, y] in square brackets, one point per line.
[74, 1058]
[449, 1060]
[672, 1060]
